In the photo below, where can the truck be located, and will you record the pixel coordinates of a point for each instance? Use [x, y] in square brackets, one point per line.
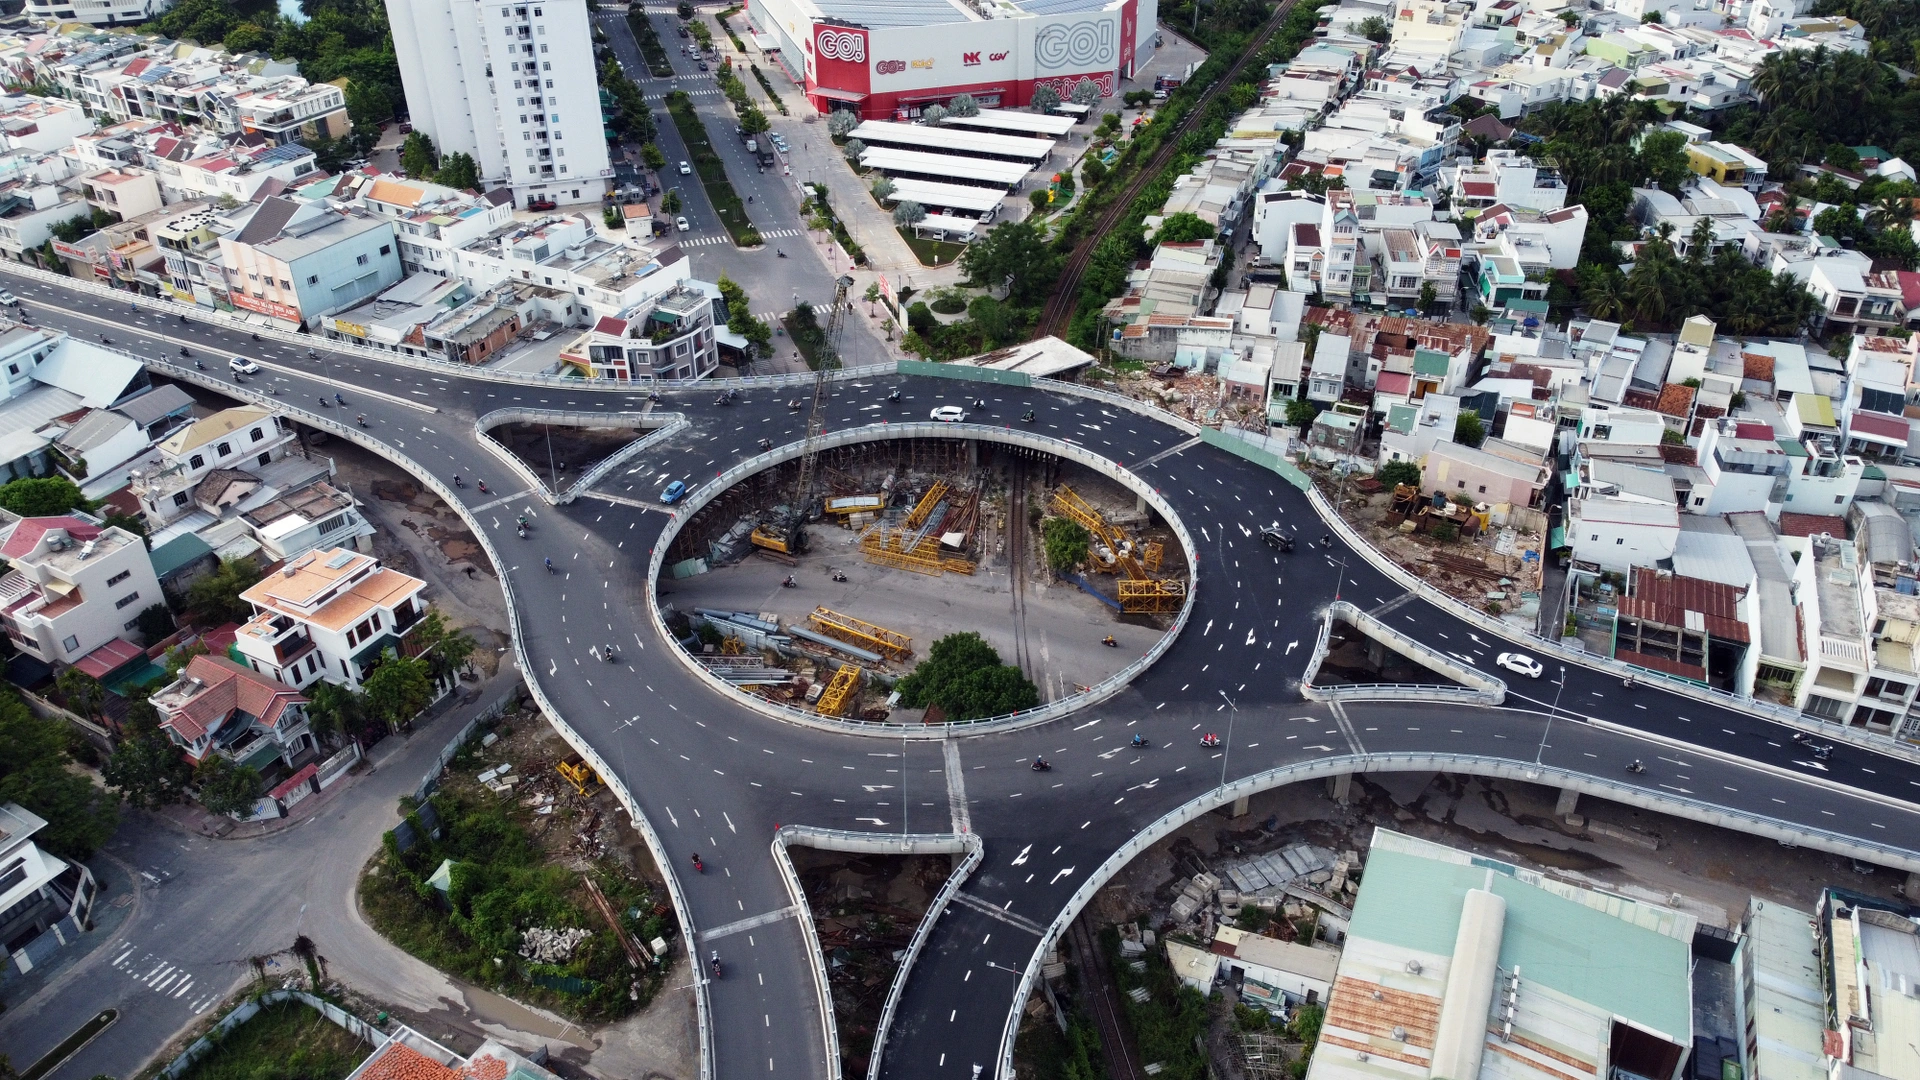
[753, 146]
[766, 158]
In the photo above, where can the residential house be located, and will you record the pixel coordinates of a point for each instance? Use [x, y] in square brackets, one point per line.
[329, 615]
[1614, 534]
[1684, 627]
[245, 437]
[45, 901]
[74, 586]
[294, 262]
[1327, 378]
[1334, 439]
[671, 337]
[219, 707]
[1275, 975]
[1744, 468]
[1509, 177]
[1508, 483]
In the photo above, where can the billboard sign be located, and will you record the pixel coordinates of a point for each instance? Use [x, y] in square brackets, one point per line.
[840, 56]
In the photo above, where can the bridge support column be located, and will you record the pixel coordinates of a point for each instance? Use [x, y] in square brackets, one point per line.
[1139, 504]
[973, 453]
[1340, 788]
[1240, 806]
[1569, 801]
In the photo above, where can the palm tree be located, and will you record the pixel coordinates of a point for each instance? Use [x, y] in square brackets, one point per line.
[1602, 296]
[1890, 211]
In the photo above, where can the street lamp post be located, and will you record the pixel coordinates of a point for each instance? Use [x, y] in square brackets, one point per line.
[1233, 713]
[1551, 713]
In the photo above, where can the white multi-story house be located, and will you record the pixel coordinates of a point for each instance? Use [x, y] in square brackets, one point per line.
[1510, 177]
[433, 222]
[512, 84]
[45, 902]
[329, 615]
[239, 438]
[98, 12]
[1745, 469]
[74, 586]
[593, 276]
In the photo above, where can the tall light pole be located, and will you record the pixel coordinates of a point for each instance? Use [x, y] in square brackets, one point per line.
[1548, 730]
[1233, 712]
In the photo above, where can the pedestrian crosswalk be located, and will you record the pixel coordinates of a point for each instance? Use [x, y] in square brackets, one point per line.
[703, 241]
[778, 234]
[776, 316]
[662, 96]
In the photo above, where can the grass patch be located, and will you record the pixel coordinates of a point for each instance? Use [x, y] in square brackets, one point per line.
[948, 305]
[650, 47]
[806, 336]
[820, 208]
[768, 87]
[283, 1041]
[931, 252]
[503, 886]
[728, 27]
[713, 173]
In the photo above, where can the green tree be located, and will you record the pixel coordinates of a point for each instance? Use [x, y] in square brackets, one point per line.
[1300, 413]
[216, 597]
[686, 11]
[445, 649]
[1067, 542]
[1044, 99]
[882, 188]
[398, 689]
[1374, 28]
[753, 121]
[963, 675]
[1014, 255]
[1428, 296]
[156, 622]
[334, 710]
[458, 170]
[1085, 93]
[1467, 429]
[368, 104]
[854, 149]
[652, 155]
[34, 757]
[1093, 170]
[82, 692]
[840, 122]
[1399, 472]
[146, 769]
[906, 213]
[933, 114]
[1182, 228]
[963, 106]
[417, 155]
[226, 788]
[41, 496]
[671, 203]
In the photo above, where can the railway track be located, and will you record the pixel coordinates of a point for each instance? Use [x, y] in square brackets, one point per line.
[1102, 1001]
[1059, 311]
[1017, 530]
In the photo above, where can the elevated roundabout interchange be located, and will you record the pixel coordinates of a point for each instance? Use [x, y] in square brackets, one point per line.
[704, 767]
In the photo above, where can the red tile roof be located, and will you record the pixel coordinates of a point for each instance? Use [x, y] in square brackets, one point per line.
[286, 786]
[109, 658]
[1676, 399]
[229, 686]
[1812, 525]
[28, 533]
[1885, 427]
[610, 325]
[1393, 382]
[1662, 664]
[1753, 431]
[1479, 189]
[1670, 599]
[398, 1061]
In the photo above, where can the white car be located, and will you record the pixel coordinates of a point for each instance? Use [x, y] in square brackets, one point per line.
[240, 365]
[682, 224]
[1520, 664]
[686, 169]
[7, 297]
[949, 414]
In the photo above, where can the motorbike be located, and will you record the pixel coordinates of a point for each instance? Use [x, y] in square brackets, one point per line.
[895, 396]
[256, 337]
[198, 366]
[611, 656]
[766, 444]
[780, 253]
[1027, 418]
[1142, 741]
[698, 866]
[457, 481]
[789, 583]
[1209, 740]
[1635, 767]
[1109, 642]
[1041, 765]
[839, 575]
[361, 420]
[715, 961]
[482, 484]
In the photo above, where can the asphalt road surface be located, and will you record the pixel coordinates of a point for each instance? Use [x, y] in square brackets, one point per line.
[714, 778]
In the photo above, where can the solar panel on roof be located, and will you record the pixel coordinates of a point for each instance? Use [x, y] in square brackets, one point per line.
[340, 559]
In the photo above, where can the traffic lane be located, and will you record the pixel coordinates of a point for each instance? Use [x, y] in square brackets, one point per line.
[763, 1016]
[953, 1008]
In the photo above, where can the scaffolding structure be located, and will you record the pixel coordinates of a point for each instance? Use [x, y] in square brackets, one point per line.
[903, 550]
[1113, 553]
[840, 690]
[868, 636]
[928, 502]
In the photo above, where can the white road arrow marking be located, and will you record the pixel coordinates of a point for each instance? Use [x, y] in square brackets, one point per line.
[875, 820]
[1060, 875]
[1021, 859]
[1291, 646]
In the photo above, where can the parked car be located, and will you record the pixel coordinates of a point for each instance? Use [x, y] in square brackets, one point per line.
[682, 29]
[686, 169]
[949, 414]
[240, 365]
[682, 224]
[1520, 664]
[540, 203]
[673, 493]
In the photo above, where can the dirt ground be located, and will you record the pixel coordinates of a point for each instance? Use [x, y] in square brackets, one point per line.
[865, 909]
[560, 454]
[1048, 627]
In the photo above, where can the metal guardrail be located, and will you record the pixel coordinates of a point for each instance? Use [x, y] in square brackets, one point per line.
[1011, 435]
[1885, 744]
[1478, 765]
[668, 423]
[226, 321]
[1476, 686]
[976, 851]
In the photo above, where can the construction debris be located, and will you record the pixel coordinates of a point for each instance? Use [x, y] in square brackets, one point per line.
[545, 945]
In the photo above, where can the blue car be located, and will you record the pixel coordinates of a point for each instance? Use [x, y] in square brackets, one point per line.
[673, 493]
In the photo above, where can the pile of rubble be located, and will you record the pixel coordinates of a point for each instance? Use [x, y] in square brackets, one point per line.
[545, 945]
[1292, 880]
